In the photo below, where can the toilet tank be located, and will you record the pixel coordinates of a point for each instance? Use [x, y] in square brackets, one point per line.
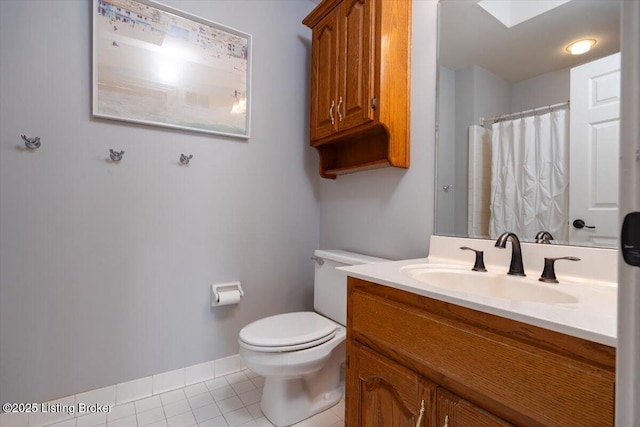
[330, 285]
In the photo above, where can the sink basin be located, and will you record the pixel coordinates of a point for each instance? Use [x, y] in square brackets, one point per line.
[488, 284]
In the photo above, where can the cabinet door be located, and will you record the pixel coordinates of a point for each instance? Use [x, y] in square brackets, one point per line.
[356, 89]
[452, 411]
[383, 393]
[324, 76]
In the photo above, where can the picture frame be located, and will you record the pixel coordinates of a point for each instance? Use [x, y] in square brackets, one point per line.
[156, 65]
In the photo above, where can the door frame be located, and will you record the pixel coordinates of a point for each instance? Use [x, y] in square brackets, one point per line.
[628, 349]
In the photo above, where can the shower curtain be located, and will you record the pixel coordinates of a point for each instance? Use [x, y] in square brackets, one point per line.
[530, 176]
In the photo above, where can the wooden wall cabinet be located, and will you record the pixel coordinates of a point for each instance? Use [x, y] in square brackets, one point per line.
[471, 369]
[360, 84]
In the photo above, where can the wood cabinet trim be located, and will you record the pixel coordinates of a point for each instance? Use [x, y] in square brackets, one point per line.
[319, 12]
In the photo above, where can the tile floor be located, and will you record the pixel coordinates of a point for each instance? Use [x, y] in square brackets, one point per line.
[229, 401]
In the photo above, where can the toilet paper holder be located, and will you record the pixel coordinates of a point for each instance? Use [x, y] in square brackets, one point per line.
[216, 290]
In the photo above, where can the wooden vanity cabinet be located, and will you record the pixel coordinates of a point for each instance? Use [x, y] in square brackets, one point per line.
[360, 84]
[470, 368]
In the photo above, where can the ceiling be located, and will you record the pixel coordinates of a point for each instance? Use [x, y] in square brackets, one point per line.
[469, 35]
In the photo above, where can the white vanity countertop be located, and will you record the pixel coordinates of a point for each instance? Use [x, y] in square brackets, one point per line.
[593, 317]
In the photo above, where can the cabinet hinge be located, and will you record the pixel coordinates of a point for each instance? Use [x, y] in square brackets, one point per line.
[374, 100]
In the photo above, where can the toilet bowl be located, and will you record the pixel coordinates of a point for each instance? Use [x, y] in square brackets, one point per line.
[301, 354]
[301, 378]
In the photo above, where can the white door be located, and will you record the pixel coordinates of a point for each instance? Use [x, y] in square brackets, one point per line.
[593, 164]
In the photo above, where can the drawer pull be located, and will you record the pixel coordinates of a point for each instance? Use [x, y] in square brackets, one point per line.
[333, 104]
[421, 414]
[446, 421]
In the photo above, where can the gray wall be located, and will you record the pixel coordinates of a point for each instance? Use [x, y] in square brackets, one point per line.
[545, 89]
[390, 212]
[105, 268]
[465, 93]
[478, 93]
[492, 94]
[446, 151]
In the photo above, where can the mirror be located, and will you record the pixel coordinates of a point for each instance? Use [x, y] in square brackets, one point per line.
[504, 71]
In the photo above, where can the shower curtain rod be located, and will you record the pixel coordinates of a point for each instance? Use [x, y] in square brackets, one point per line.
[522, 113]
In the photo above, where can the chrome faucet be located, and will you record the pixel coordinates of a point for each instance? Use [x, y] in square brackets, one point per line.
[515, 268]
[544, 237]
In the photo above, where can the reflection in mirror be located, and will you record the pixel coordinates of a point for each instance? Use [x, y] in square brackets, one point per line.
[528, 132]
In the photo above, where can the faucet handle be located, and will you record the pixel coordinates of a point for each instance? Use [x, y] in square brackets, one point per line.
[543, 237]
[479, 264]
[549, 273]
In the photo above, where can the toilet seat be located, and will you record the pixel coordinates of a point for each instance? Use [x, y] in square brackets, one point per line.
[287, 332]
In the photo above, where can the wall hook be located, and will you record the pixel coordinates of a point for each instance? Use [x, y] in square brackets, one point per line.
[115, 155]
[185, 159]
[31, 143]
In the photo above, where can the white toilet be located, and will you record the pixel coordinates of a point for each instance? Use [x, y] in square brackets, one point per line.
[300, 354]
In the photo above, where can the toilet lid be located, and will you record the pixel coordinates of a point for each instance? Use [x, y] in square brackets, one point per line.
[288, 330]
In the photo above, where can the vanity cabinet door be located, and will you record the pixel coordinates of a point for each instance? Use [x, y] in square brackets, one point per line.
[384, 393]
[453, 411]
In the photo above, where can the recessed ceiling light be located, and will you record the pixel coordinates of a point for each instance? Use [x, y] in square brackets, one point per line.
[581, 46]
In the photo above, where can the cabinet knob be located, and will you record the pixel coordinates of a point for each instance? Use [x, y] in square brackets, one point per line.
[421, 414]
[339, 106]
[333, 104]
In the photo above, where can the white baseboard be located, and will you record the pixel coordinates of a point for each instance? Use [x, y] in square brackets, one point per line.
[122, 393]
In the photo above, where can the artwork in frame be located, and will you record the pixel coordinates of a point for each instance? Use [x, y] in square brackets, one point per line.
[156, 65]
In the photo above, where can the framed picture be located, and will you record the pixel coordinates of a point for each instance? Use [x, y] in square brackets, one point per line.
[156, 65]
